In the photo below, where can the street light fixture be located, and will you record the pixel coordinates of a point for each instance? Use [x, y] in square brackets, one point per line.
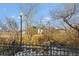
[21, 16]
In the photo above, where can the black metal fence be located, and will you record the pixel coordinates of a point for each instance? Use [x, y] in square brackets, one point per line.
[38, 50]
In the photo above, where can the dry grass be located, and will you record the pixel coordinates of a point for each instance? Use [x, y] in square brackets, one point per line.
[67, 36]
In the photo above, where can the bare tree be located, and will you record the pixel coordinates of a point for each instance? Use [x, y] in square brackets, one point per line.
[28, 16]
[67, 13]
[29, 13]
[11, 24]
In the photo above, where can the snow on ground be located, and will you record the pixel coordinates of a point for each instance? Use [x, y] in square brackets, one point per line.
[55, 52]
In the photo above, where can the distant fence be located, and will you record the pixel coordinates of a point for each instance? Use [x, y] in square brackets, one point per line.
[38, 50]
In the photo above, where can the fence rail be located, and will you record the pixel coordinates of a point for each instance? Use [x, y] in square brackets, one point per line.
[38, 50]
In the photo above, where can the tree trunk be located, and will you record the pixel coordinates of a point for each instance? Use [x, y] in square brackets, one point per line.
[75, 28]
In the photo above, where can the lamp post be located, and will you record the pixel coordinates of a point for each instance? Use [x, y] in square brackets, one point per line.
[21, 16]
